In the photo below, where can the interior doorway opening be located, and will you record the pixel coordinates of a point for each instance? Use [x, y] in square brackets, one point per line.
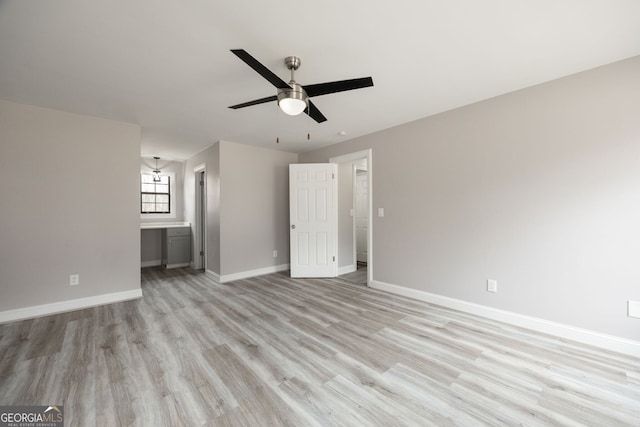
[200, 227]
[355, 254]
[360, 214]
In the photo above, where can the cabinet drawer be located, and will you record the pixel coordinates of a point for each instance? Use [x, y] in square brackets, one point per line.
[178, 231]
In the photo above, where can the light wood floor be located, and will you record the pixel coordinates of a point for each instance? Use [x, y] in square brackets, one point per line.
[358, 277]
[276, 351]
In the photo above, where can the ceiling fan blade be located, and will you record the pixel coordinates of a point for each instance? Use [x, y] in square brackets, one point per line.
[255, 102]
[315, 114]
[338, 86]
[261, 69]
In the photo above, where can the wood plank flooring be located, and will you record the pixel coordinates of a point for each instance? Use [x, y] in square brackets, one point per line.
[272, 351]
[359, 276]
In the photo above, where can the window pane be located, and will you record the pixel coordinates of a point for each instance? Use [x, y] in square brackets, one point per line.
[155, 196]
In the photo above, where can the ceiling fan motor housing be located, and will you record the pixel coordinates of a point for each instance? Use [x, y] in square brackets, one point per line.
[296, 92]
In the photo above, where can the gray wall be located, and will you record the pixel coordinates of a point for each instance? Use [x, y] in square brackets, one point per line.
[69, 206]
[537, 189]
[247, 206]
[254, 200]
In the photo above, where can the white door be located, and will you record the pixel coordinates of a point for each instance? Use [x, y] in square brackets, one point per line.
[312, 216]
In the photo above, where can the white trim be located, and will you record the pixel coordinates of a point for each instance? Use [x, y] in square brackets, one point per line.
[335, 220]
[585, 336]
[178, 265]
[65, 306]
[252, 273]
[212, 275]
[347, 269]
[152, 263]
[354, 237]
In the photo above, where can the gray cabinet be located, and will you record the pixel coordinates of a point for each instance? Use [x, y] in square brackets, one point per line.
[176, 247]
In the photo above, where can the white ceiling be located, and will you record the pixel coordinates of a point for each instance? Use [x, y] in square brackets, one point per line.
[166, 65]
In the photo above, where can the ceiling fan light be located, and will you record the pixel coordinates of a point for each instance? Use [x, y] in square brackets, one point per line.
[292, 101]
[292, 106]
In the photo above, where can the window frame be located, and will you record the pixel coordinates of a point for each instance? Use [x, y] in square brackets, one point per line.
[158, 215]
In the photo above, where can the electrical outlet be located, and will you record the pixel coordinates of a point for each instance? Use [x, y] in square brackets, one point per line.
[275, 254]
[74, 280]
[492, 285]
[633, 308]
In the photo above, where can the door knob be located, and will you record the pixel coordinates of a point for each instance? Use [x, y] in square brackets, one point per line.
[293, 226]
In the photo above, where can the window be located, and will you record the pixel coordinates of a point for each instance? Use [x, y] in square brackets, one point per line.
[155, 197]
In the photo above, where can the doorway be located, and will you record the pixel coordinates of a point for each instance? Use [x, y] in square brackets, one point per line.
[200, 227]
[359, 256]
[360, 214]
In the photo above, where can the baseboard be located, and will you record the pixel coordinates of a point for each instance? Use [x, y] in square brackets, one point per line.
[152, 263]
[65, 306]
[212, 275]
[585, 336]
[178, 265]
[347, 269]
[253, 273]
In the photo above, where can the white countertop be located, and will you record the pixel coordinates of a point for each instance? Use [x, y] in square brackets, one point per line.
[158, 225]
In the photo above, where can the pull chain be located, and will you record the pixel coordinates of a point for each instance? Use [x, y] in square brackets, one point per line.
[308, 119]
[277, 125]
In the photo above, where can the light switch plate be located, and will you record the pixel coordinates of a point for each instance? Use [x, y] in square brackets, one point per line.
[633, 308]
[380, 212]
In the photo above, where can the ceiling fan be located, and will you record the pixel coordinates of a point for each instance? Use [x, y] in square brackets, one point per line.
[292, 97]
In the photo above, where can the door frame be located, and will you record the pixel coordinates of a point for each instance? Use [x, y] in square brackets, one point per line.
[355, 170]
[358, 155]
[200, 226]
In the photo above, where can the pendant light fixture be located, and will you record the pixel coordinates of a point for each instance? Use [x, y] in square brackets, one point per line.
[156, 171]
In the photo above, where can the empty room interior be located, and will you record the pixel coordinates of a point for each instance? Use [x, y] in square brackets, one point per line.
[321, 213]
